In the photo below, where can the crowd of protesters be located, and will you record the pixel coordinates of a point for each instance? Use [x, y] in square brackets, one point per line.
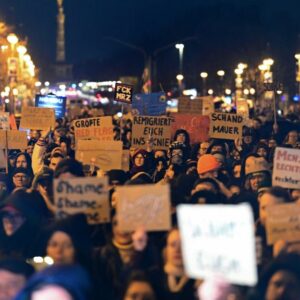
[103, 261]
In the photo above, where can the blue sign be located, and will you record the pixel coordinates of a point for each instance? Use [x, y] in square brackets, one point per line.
[52, 101]
[154, 104]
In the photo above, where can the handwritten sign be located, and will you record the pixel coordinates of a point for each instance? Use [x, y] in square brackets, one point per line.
[283, 223]
[82, 195]
[188, 106]
[144, 205]
[208, 106]
[286, 168]
[123, 93]
[37, 118]
[4, 120]
[218, 240]
[197, 126]
[226, 126]
[100, 128]
[242, 108]
[106, 155]
[157, 128]
[15, 139]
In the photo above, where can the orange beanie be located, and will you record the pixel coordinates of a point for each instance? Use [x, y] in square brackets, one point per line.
[207, 163]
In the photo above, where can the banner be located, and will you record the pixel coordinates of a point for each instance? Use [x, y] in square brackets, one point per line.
[15, 139]
[106, 156]
[198, 105]
[123, 93]
[154, 104]
[37, 118]
[286, 168]
[100, 128]
[83, 195]
[4, 121]
[145, 128]
[226, 126]
[218, 240]
[283, 223]
[197, 126]
[144, 205]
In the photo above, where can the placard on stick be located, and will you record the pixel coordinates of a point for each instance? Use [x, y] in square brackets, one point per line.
[106, 156]
[212, 243]
[144, 205]
[226, 126]
[15, 139]
[286, 168]
[283, 223]
[83, 195]
[37, 118]
[99, 128]
[196, 125]
[156, 128]
[123, 93]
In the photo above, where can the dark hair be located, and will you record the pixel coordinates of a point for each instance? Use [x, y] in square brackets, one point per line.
[186, 134]
[17, 266]
[208, 180]
[70, 165]
[279, 192]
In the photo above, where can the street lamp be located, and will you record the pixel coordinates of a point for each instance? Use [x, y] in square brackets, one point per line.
[180, 48]
[221, 74]
[210, 92]
[204, 75]
[12, 39]
[180, 78]
[297, 56]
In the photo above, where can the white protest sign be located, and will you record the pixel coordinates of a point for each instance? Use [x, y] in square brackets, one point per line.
[87, 195]
[286, 168]
[283, 222]
[226, 126]
[99, 128]
[38, 118]
[144, 205]
[218, 240]
[106, 156]
[4, 120]
[156, 128]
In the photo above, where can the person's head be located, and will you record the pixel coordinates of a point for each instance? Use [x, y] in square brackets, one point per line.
[21, 177]
[203, 148]
[270, 197]
[262, 150]
[23, 160]
[55, 159]
[65, 145]
[63, 282]
[182, 136]
[172, 251]
[281, 279]
[292, 138]
[120, 236]
[138, 287]
[206, 184]
[236, 170]
[272, 143]
[44, 180]
[13, 276]
[208, 166]
[68, 241]
[139, 158]
[160, 153]
[30, 146]
[178, 153]
[248, 135]
[69, 168]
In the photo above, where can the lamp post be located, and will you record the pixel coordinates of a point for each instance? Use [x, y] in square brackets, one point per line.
[203, 75]
[180, 78]
[180, 48]
[297, 56]
[221, 74]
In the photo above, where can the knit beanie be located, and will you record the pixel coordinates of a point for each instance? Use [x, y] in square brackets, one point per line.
[207, 163]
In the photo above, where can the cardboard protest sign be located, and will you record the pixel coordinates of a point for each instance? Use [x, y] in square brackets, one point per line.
[208, 106]
[226, 126]
[100, 128]
[242, 108]
[52, 101]
[286, 168]
[153, 104]
[4, 120]
[106, 155]
[156, 128]
[74, 112]
[82, 195]
[125, 160]
[144, 205]
[188, 106]
[218, 240]
[37, 118]
[15, 139]
[283, 223]
[123, 93]
[12, 122]
[196, 125]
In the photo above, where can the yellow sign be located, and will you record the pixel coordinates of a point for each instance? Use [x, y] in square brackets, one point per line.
[38, 118]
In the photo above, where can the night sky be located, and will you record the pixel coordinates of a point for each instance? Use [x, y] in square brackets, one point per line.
[224, 33]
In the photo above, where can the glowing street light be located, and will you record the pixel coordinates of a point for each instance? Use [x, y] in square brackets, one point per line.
[268, 62]
[210, 92]
[238, 71]
[179, 77]
[228, 91]
[180, 48]
[242, 66]
[203, 75]
[12, 39]
[221, 73]
[21, 50]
